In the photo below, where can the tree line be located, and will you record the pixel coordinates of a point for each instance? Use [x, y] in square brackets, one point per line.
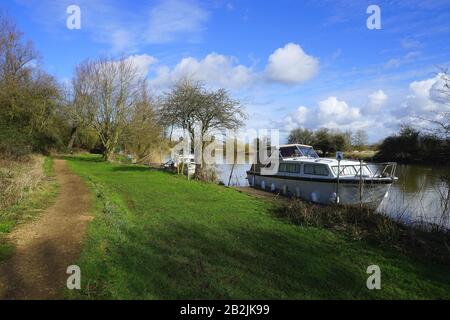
[428, 142]
[328, 141]
[108, 107]
[414, 145]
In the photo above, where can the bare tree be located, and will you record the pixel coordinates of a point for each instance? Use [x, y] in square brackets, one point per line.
[191, 107]
[143, 136]
[105, 90]
[15, 54]
[441, 121]
[360, 139]
[181, 104]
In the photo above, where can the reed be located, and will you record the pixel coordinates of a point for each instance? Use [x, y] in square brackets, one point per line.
[366, 224]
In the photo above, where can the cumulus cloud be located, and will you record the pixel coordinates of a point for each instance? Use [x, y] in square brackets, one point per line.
[215, 70]
[297, 119]
[142, 63]
[291, 65]
[425, 96]
[330, 113]
[288, 65]
[376, 101]
[381, 114]
[333, 112]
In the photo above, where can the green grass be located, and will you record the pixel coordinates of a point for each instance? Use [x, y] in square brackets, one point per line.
[36, 201]
[6, 250]
[159, 236]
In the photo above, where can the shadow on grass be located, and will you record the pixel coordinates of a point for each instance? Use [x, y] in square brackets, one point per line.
[130, 168]
[86, 158]
[188, 261]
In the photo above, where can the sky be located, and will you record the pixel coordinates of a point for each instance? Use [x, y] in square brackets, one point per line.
[291, 63]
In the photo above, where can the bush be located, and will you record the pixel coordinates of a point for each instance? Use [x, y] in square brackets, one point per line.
[18, 178]
[206, 174]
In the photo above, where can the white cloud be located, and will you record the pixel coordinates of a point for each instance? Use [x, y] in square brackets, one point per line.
[425, 96]
[215, 70]
[291, 65]
[381, 115]
[376, 101]
[142, 63]
[297, 119]
[174, 20]
[288, 65]
[332, 112]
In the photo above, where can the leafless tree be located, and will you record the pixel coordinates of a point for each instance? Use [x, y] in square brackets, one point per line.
[105, 93]
[16, 55]
[143, 136]
[360, 139]
[191, 107]
[442, 119]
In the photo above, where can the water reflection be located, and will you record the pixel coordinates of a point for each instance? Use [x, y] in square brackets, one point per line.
[416, 196]
[419, 194]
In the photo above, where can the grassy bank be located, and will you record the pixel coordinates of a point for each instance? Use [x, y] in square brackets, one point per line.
[365, 155]
[28, 187]
[159, 236]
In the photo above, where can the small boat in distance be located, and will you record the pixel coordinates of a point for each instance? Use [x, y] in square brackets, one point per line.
[302, 173]
[185, 163]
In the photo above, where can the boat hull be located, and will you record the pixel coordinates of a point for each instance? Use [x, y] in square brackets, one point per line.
[323, 191]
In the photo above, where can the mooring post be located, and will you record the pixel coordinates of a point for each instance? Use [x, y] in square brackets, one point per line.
[337, 184]
[360, 184]
[231, 173]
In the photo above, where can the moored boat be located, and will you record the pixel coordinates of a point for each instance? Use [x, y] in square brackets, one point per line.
[303, 174]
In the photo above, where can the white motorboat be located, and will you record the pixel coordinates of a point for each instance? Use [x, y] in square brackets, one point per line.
[303, 174]
[182, 162]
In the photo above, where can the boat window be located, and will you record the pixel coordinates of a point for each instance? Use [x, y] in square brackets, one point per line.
[351, 170]
[289, 152]
[289, 168]
[308, 152]
[365, 171]
[315, 169]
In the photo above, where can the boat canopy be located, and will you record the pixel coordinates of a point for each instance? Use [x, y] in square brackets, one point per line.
[297, 150]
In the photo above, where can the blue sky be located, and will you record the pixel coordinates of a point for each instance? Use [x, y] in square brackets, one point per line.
[292, 63]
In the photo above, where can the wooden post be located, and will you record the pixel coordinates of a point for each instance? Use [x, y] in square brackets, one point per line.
[360, 184]
[182, 167]
[337, 184]
[231, 173]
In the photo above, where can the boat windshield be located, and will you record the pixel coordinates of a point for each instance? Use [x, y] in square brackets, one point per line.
[298, 151]
[308, 152]
[351, 170]
[289, 152]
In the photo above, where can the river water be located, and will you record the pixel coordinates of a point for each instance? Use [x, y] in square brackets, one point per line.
[417, 196]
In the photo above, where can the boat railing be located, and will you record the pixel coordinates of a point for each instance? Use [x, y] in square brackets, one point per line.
[385, 170]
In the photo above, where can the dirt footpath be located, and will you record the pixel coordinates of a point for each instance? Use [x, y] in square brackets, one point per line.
[49, 244]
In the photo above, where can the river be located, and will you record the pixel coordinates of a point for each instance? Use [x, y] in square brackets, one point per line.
[417, 196]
